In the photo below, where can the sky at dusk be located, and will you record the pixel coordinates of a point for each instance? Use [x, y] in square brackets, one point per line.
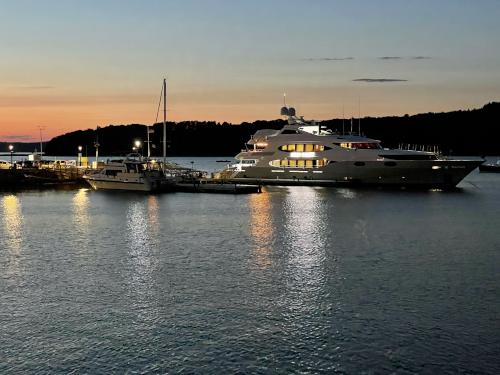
[68, 65]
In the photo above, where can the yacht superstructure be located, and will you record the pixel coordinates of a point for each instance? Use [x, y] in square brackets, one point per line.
[305, 153]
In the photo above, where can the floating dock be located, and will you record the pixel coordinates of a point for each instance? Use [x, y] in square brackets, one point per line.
[213, 186]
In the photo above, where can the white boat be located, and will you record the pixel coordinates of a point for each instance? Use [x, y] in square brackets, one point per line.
[305, 153]
[132, 173]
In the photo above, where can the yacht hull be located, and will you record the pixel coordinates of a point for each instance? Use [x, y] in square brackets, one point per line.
[445, 173]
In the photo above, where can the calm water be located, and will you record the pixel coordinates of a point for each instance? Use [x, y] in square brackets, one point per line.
[294, 280]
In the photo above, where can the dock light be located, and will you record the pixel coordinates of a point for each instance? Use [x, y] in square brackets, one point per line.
[79, 159]
[11, 149]
[137, 146]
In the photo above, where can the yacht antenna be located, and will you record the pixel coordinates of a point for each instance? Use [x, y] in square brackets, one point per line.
[284, 99]
[351, 125]
[147, 134]
[164, 122]
[96, 145]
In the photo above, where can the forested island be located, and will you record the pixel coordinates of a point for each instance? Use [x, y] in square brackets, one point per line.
[464, 132]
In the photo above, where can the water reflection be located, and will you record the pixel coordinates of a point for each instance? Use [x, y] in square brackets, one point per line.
[12, 225]
[346, 193]
[305, 230]
[81, 219]
[261, 229]
[153, 215]
[137, 231]
[142, 223]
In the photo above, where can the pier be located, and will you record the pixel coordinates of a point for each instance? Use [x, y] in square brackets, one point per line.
[60, 175]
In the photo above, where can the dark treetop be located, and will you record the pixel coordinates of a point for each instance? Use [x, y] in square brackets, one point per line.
[468, 132]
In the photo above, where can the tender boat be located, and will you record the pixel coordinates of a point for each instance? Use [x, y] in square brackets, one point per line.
[306, 153]
[131, 173]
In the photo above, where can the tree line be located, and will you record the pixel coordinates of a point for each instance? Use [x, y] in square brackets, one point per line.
[464, 132]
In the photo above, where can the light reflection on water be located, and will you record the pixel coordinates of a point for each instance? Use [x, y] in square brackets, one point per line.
[305, 224]
[12, 225]
[261, 229]
[142, 224]
[81, 219]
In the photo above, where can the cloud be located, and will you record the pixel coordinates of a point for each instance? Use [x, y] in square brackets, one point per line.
[329, 58]
[390, 58]
[18, 138]
[35, 87]
[421, 57]
[379, 80]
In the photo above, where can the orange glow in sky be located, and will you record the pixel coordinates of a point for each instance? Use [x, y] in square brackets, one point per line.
[77, 65]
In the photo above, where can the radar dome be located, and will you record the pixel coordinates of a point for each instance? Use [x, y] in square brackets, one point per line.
[291, 111]
[284, 111]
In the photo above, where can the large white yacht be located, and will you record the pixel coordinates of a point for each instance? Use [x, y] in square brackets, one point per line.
[305, 153]
[131, 173]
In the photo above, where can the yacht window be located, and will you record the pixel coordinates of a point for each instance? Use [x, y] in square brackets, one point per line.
[390, 164]
[359, 145]
[359, 164]
[110, 172]
[300, 163]
[304, 147]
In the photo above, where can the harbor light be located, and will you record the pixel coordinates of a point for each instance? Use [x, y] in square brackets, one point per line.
[137, 146]
[11, 149]
[79, 161]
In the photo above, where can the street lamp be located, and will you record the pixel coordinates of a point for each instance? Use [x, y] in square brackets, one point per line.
[80, 148]
[11, 149]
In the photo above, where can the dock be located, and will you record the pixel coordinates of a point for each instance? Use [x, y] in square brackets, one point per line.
[68, 176]
[25, 178]
[214, 186]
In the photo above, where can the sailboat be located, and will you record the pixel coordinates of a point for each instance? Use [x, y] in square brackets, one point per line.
[134, 172]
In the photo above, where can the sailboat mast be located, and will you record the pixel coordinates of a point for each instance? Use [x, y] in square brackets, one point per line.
[164, 122]
[149, 148]
[359, 115]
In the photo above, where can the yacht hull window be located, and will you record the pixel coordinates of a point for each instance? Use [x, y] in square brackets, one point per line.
[300, 163]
